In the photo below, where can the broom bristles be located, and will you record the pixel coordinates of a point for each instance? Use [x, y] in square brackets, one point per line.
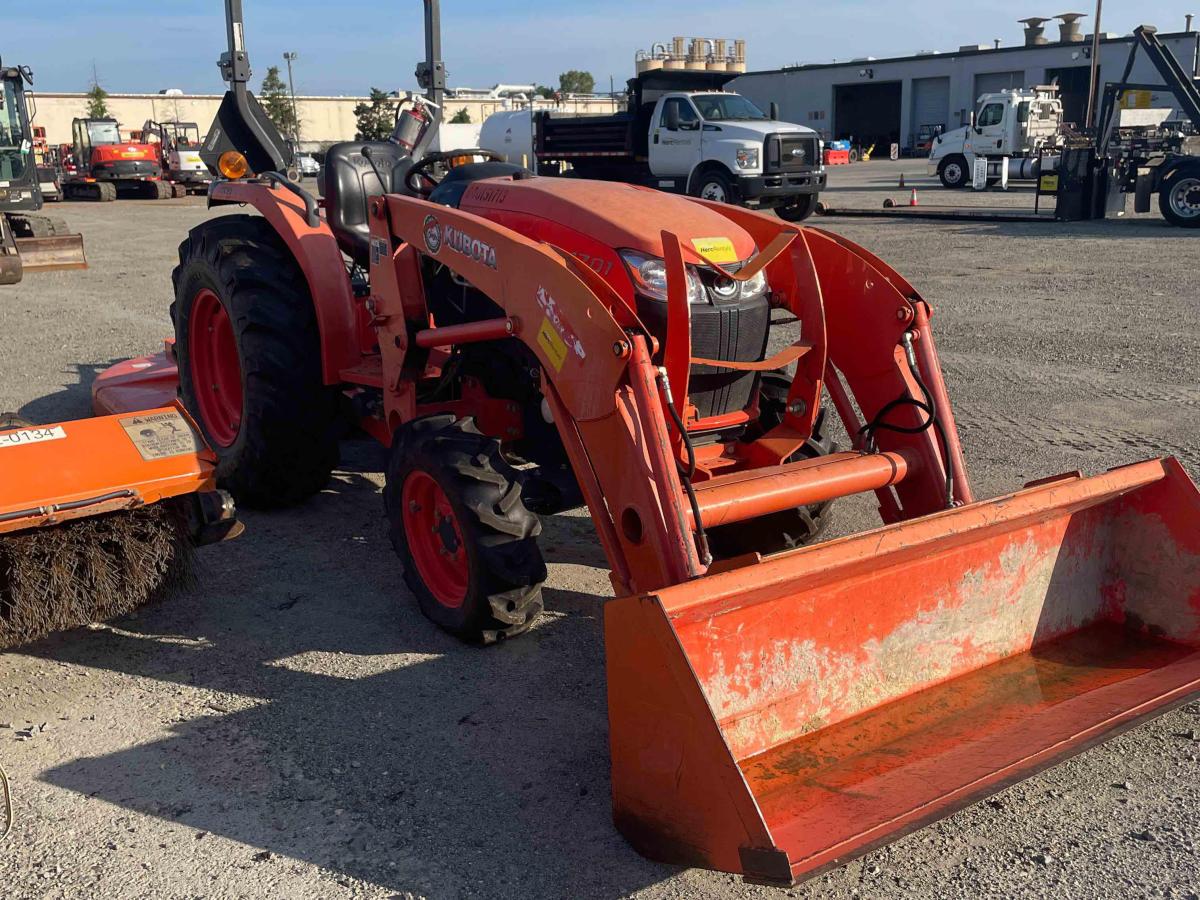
[90, 570]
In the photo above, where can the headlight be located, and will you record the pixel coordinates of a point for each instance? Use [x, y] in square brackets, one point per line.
[755, 285]
[649, 274]
[747, 158]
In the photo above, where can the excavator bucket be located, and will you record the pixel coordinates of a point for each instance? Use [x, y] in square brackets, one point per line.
[48, 254]
[785, 716]
[99, 515]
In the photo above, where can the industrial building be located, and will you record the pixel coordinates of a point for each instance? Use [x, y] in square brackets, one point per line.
[885, 101]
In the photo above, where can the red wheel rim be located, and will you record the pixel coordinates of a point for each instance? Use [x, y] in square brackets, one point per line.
[216, 369]
[434, 539]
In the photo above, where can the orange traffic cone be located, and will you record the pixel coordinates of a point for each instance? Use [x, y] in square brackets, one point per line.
[912, 200]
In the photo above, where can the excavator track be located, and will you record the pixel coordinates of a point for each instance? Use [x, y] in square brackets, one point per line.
[95, 191]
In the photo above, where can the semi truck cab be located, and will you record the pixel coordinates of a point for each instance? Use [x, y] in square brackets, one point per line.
[1016, 123]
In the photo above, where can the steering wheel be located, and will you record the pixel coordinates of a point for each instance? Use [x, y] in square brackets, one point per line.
[421, 179]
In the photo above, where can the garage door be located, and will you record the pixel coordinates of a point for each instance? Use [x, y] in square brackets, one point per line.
[930, 103]
[994, 82]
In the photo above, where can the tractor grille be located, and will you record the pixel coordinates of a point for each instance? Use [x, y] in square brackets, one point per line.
[737, 332]
[792, 152]
[734, 330]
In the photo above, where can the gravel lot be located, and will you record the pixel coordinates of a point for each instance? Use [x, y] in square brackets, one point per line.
[292, 727]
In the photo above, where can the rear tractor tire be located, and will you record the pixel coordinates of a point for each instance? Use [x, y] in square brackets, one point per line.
[790, 528]
[250, 362]
[466, 540]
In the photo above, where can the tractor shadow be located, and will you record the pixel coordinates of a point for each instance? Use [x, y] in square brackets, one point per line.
[74, 401]
[319, 717]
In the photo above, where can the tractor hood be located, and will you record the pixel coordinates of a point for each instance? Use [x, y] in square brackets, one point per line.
[573, 214]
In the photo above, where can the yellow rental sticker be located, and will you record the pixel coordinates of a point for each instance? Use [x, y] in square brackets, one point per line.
[718, 249]
[555, 347]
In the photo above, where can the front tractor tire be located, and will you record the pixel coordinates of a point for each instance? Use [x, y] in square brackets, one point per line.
[466, 540]
[250, 362]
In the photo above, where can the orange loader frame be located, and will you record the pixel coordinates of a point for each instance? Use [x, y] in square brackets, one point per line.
[774, 717]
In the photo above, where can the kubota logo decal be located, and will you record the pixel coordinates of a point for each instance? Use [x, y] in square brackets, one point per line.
[437, 235]
[433, 235]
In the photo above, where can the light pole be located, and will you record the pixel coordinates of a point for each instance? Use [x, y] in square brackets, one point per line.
[291, 56]
[1094, 83]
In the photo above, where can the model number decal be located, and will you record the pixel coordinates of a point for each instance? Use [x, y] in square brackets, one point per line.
[597, 264]
[31, 436]
[555, 317]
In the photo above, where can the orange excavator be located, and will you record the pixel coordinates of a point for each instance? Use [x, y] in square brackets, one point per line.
[523, 345]
[107, 167]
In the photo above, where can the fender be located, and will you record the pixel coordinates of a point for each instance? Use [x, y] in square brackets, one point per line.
[320, 259]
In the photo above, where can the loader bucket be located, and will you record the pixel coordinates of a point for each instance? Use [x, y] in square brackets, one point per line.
[48, 254]
[783, 717]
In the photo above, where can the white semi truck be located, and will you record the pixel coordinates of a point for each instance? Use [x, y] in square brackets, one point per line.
[681, 133]
[1016, 124]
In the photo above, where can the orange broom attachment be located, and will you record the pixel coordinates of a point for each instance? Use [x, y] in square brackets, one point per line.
[99, 516]
[784, 717]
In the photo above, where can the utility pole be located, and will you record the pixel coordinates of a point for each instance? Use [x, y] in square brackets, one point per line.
[291, 56]
[1094, 84]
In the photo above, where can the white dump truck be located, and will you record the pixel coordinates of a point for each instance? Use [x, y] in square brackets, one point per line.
[681, 132]
[1016, 124]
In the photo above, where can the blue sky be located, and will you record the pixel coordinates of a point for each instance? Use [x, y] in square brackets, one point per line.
[147, 46]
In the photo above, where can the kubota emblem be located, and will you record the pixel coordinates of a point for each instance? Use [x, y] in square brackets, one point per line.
[433, 234]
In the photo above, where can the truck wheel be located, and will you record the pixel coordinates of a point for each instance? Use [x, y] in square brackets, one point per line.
[803, 207]
[1179, 198]
[250, 362]
[467, 542]
[714, 185]
[790, 528]
[954, 172]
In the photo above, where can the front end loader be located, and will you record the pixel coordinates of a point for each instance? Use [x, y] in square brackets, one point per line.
[29, 241]
[525, 345]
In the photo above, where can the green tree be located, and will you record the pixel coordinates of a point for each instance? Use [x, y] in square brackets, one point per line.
[546, 93]
[278, 103]
[576, 82]
[97, 100]
[462, 117]
[375, 120]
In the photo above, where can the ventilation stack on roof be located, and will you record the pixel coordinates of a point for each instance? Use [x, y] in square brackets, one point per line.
[1035, 31]
[1068, 28]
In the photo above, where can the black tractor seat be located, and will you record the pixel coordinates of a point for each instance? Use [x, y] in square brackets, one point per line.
[450, 189]
[351, 180]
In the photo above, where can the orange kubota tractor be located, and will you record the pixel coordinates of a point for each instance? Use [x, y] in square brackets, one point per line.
[524, 344]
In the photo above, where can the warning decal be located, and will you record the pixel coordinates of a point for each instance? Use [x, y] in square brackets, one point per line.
[552, 344]
[161, 435]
